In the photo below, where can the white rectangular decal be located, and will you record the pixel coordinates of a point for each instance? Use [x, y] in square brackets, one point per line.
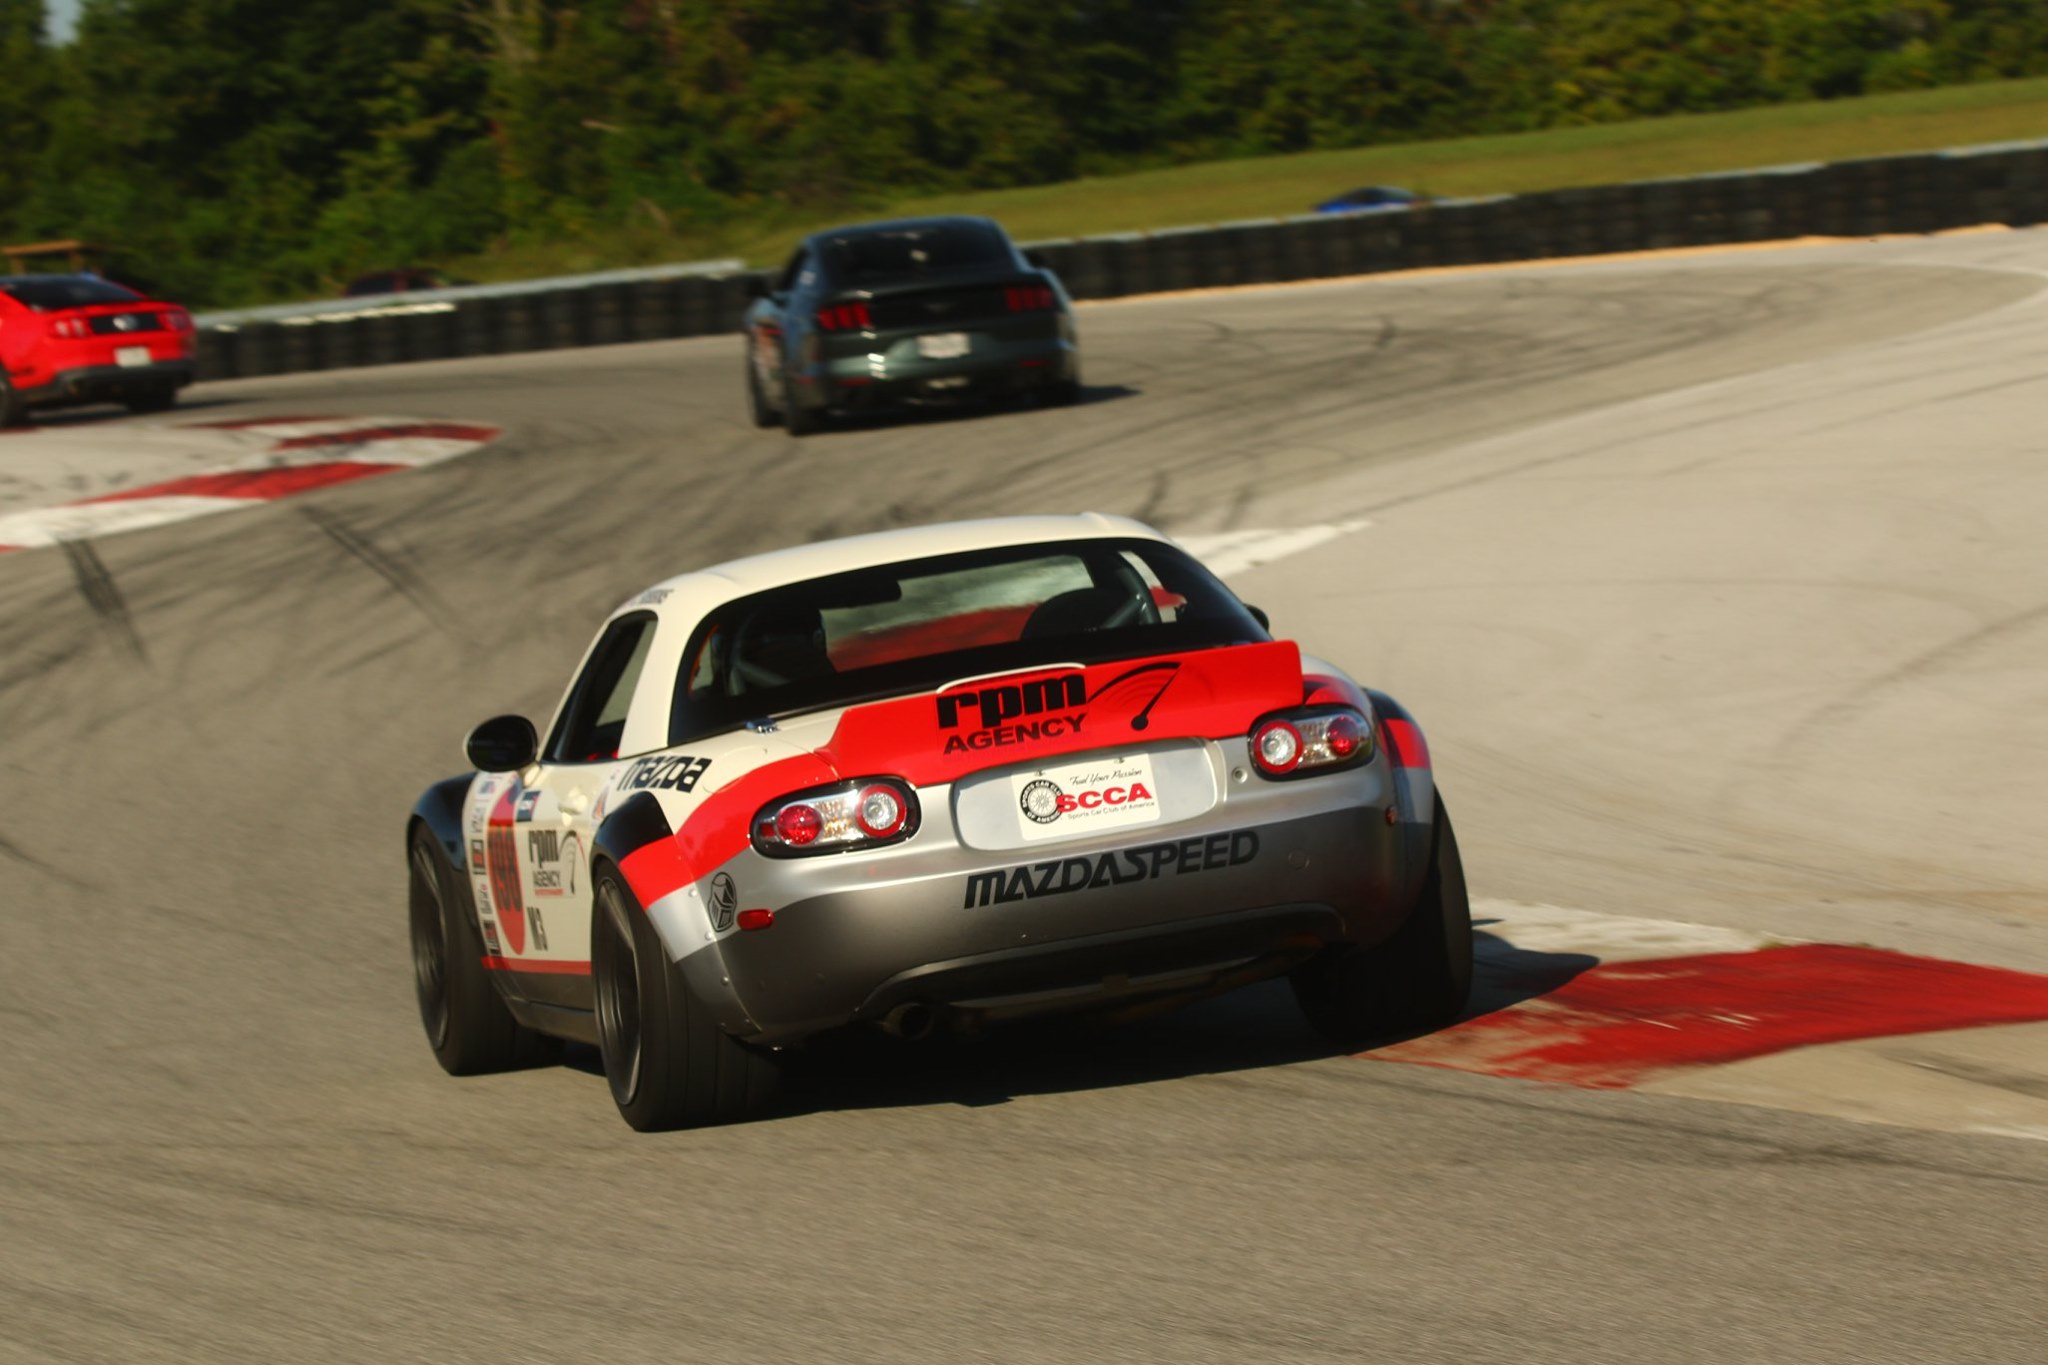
[942, 345]
[132, 356]
[1090, 797]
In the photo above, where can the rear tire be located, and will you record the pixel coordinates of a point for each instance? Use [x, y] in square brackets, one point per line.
[667, 1061]
[757, 406]
[1417, 980]
[800, 420]
[1061, 393]
[468, 1025]
[13, 412]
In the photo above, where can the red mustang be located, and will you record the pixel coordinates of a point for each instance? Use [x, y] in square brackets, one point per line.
[66, 340]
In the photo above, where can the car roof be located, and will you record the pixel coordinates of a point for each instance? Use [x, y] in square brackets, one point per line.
[55, 277]
[846, 230]
[778, 568]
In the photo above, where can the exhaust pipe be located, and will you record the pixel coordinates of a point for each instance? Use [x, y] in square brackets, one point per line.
[912, 1021]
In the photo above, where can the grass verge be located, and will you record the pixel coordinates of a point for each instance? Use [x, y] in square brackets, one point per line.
[1279, 186]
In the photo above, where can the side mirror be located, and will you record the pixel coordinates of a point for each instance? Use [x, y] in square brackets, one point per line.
[757, 286]
[1036, 258]
[503, 744]
[1259, 615]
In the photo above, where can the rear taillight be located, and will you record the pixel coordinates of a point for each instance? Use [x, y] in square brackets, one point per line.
[1315, 740]
[1028, 298]
[852, 815]
[846, 317]
[178, 320]
[71, 328]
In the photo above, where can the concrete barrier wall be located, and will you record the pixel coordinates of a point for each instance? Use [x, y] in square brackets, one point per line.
[1922, 192]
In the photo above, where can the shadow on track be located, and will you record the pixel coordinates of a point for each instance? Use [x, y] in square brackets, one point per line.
[966, 410]
[1247, 1030]
[107, 414]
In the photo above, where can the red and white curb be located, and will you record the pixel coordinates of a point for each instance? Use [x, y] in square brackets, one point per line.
[1610, 1002]
[281, 456]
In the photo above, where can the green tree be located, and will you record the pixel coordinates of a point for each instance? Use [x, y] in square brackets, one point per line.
[27, 83]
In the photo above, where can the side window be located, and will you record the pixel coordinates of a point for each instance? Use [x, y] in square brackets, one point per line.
[797, 272]
[595, 717]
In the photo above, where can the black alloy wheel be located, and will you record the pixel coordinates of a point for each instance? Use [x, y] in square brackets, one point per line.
[468, 1024]
[615, 971]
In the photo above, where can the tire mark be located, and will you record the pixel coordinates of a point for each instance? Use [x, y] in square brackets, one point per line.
[11, 850]
[403, 580]
[1860, 697]
[103, 595]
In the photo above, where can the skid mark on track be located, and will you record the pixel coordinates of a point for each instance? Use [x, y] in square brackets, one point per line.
[16, 853]
[1935, 660]
[103, 595]
[401, 578]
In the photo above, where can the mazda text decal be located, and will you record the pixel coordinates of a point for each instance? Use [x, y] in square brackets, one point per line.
[1047, 708]
[673, 772]
[1203, 853]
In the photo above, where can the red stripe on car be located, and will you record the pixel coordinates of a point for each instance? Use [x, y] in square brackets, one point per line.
[1406, 748]
[539, 966]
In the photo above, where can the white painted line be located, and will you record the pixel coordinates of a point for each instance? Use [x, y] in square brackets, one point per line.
[1535, 928]
[1234, 552]
[86, 521]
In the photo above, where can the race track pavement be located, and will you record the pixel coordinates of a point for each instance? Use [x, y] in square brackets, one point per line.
[1715, 583]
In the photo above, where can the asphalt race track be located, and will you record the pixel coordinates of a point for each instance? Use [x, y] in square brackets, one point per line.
[1717, 582]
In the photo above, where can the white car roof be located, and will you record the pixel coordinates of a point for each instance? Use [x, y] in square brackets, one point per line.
[679, 603]
[757, 573]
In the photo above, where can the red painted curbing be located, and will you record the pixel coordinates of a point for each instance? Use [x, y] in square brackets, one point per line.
[256, 485]
[1619, 1025]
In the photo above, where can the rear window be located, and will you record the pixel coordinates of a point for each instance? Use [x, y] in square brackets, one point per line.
[911, 253]
[49, 293]
[921, 624]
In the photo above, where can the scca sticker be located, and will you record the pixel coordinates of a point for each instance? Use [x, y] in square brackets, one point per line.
[1098, 795]
[1004, 714]
[1203, 853]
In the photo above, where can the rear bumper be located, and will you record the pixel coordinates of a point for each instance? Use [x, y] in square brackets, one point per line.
[993, 368]
[1245, 891]
[110, 383]
[1130, 968]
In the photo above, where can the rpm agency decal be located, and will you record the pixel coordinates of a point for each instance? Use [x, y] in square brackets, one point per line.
[1005, 714]
[554, 857]
[1086, 798]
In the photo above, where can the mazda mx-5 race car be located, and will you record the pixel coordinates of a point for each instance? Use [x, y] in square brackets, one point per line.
[929, 779]
[917, 310]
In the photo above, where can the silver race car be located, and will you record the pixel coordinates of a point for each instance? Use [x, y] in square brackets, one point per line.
[918, 311]
[927, 780]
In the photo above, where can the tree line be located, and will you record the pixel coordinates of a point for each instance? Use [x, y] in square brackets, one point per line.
[249, 148]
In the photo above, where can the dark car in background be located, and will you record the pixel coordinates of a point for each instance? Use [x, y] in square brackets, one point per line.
[1370, 199]
[67, 340]
[912, 311]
